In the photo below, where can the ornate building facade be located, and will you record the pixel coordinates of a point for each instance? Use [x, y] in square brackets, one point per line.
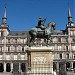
[13, 45]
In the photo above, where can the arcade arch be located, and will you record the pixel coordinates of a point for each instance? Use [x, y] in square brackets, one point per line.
[73, 64]
[1, 67]
[23, 68]
[67, 65]
[8, 67]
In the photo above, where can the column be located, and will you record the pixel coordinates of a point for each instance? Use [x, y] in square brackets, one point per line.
[71, 64]
[57, 67]
[19, 67]
[11, 66]
[4, 67]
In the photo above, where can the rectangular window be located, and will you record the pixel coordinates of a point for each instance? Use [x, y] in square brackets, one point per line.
[67, 56]
[7, 57]
[8, 40]
[2, 33]
[15, 48]
[0, 48]
[66, 39]
[15, 40]
[73, 48]
[73, 39]
[72, 33]
[59, 47]
[67, 48]
[22, 57]
[22, 40]
[22, 48]
[15, 57]
[60, 56]
[0, 57]
[0, 40]
[8, 48]
[74, 56]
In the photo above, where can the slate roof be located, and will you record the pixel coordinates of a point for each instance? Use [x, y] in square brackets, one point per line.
[18, 33]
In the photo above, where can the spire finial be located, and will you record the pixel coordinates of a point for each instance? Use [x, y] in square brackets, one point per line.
[4, 12]
[69, 14]
[4, 16]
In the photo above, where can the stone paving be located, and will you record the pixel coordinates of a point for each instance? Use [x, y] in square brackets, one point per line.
[68, 73]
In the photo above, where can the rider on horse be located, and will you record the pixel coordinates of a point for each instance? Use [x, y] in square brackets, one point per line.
[41, 23]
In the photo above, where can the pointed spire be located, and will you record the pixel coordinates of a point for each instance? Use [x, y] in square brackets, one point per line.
[4, 12]
[69, 16]
[4, 17]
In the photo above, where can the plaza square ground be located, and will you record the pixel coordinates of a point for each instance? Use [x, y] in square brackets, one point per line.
[68, 73]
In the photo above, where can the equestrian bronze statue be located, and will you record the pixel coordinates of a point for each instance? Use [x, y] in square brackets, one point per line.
[42, 31]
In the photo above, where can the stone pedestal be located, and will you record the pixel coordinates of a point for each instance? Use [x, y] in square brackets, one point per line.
[40, 59]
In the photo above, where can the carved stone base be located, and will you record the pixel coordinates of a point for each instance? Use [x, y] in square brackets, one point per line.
[40, 59]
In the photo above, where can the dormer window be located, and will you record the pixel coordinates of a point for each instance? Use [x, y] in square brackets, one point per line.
[59, 39]
[16, 34]
[23, 33]
[15, 40]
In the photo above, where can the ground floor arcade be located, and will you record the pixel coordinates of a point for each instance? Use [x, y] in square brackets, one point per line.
[7, 66]
[63, 65]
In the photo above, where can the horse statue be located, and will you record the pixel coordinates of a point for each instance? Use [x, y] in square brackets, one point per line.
[42, 33]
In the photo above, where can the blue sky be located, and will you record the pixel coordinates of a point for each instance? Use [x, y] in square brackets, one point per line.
[24, 14]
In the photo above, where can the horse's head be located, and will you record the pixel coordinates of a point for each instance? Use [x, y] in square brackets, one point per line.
[53, 25]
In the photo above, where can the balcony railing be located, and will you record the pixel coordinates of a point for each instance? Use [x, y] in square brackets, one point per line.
[15, 42]
[15, 51]
[59, 42]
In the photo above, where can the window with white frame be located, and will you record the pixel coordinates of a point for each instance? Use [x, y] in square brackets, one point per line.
[59, 47]
[15, 48]
[22, 40]
[15, 57]
[22, 57]
[67, 56]
[66, 48]
[7, 57]
[15, 40]
[73, 48]
[74, 32]
[0, 57]
[8, 49]
[0, 33]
